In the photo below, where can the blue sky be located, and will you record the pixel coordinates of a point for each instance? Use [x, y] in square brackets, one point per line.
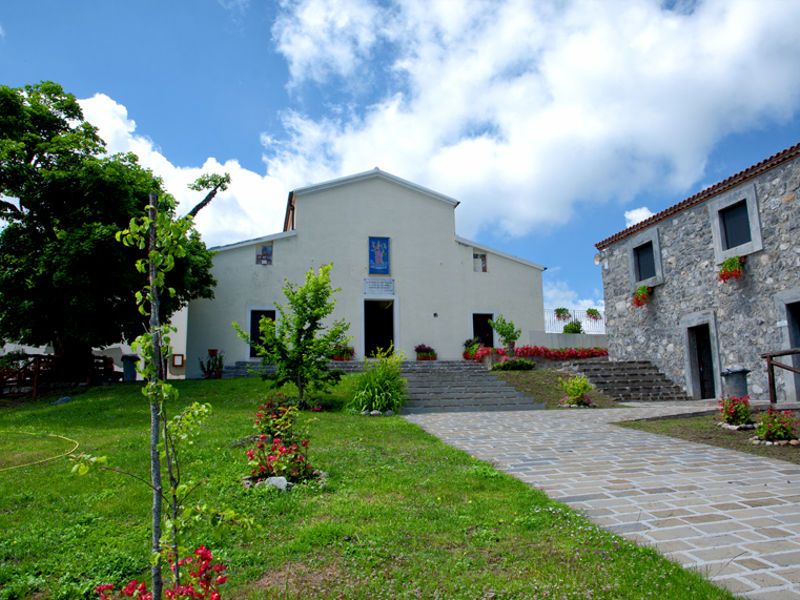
[547, 120]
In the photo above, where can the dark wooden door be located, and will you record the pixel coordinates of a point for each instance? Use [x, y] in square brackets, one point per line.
[481, 328]
[703, 363]
[378, 325]
[255, 318]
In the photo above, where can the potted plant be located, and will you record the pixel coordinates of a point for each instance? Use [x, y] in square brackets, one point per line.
[213, 365]
[562, 314]
[593, 314]
[507, 332]
[731, 268]
[425, 352]
[643, 295]
[343, 353]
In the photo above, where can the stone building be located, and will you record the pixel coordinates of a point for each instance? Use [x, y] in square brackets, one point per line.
[696, 326]
[406, 278]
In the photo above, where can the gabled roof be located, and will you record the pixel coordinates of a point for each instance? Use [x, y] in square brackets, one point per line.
[376, 173]
[258, 240]
[706, 194]
[477, 246]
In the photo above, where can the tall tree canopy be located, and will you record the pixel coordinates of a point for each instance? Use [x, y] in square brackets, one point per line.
[64, 279]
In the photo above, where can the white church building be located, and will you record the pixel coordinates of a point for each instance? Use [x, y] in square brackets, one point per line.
[405, 276]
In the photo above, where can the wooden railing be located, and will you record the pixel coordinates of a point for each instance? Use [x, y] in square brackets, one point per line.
[36, 373]
[772, 363]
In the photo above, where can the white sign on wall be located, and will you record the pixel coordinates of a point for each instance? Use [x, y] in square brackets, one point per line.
[374, 286]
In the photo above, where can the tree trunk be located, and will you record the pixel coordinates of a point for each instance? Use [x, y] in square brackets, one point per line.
[155, 410]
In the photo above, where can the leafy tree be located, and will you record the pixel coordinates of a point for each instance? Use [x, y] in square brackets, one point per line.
[63, 279]
[300, 345]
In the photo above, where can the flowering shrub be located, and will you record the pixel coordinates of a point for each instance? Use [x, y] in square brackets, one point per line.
[279, 459]
[777, 425]
[642, 296]
[732, 268]
[470, 347]
[735, 410]
[275, 419]
[203, 581]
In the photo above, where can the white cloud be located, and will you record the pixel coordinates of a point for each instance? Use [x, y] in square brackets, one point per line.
[252, 206]
[535, 106]
[324, 37]
[558, 293]
[637, 215]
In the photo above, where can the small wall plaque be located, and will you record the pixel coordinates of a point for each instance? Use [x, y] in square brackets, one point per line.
[374, 286]
[177, 360]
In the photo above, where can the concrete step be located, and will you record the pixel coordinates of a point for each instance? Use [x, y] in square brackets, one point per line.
[629, 380]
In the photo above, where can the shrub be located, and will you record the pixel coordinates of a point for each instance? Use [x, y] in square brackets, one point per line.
[280, 458]
[573, 327]
[513, 364]
[508, 333]
[276, 419]
[381, 385]
[735, 410]
[777, 425]
[576, 389]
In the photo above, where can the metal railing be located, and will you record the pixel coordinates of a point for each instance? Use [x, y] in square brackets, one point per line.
[772, 363]
[552, 324]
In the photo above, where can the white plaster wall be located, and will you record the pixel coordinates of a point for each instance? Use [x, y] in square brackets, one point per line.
[433, 273]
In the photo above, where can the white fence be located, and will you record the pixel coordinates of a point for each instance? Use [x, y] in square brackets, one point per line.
[590, 326]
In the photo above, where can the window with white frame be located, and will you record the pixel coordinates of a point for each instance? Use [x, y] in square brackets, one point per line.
[644, 254]
[479, 264]
[735, 223]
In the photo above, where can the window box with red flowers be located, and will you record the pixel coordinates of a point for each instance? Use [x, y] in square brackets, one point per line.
[642, 296]
[731, 268]
[425, 352]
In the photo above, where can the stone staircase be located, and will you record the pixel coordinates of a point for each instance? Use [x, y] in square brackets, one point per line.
[628, 381]
[459, 386]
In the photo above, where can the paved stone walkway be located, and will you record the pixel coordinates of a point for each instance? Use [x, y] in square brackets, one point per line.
[732, 516]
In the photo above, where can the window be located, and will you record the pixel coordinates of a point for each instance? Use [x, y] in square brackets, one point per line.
[255, 330]
[644, 258]
[479, 262]
[734, 225]
[645, 261]
[264, 257]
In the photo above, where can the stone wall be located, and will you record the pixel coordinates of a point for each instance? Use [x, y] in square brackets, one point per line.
[747, 317]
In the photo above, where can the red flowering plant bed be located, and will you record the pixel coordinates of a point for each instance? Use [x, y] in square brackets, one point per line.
[735, 411]
[280, 446]
[777, 426]
[202, 578]
[732, 268]
[559, 353]
[642, 296]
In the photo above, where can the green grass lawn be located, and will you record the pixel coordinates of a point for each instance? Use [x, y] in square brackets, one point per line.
[703, 429]
[402, 515]
[543, 385]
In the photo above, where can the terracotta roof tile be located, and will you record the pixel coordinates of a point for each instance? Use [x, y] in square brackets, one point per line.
[723, 186]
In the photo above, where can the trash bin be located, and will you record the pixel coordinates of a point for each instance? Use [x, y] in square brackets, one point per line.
[735, 381]
[129, 367]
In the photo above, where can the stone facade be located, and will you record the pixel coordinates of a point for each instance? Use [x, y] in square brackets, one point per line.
[745, 317]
